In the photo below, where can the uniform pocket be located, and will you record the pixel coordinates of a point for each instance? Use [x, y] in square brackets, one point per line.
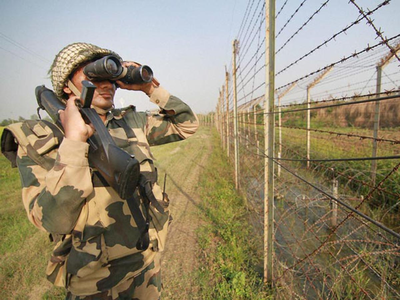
[160, 222]
[88, 252]
[55, 270]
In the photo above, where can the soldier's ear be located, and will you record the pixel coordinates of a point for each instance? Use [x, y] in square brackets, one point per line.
[67, 90]
[71, 89]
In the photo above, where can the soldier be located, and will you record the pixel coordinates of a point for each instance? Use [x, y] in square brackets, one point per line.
[97, 255]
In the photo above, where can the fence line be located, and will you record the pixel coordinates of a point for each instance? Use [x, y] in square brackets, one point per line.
[327, 207]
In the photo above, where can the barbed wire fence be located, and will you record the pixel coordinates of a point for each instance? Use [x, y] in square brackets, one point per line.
[317, 158]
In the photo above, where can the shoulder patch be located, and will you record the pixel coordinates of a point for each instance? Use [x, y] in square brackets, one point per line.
[120, 112]
[36, 137]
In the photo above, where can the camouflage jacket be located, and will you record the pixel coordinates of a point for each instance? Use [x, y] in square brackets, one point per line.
[97, 249]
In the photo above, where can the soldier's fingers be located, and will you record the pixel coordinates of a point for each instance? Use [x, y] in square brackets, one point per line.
[131, 63]
[72, 103]
[61, 115]
[90, 129]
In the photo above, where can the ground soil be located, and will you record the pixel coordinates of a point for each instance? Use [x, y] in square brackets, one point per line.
[183, 163]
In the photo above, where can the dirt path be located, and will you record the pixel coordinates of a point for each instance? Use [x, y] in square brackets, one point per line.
[183, 161]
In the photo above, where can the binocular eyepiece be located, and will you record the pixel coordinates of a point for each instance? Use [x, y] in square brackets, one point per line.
[110, 68]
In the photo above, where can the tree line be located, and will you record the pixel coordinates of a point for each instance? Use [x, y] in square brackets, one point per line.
[9, 121]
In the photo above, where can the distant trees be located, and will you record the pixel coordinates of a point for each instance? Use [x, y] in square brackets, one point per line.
[9, 121]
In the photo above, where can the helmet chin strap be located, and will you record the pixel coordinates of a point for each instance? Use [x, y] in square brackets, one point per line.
[77, 93]
[73, 88]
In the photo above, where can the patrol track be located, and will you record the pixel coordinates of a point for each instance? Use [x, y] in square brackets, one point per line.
[183, 162]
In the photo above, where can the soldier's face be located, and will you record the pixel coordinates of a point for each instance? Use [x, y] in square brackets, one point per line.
[104, 94]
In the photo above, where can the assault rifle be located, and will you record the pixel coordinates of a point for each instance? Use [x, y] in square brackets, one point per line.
[116, 166]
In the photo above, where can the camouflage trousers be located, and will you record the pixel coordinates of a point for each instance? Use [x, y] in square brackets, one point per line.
[145, 286]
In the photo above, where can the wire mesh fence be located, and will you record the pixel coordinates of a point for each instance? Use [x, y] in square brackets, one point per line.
[336, 145]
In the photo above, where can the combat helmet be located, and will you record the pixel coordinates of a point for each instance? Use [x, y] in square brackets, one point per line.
[68, 59]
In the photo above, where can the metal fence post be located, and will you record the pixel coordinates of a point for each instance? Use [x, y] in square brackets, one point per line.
[308, 126]
[255, 122]
[227, 110]
[334, 202]
[376, 124]
[235, 116]
[269, 127]
[383, 63]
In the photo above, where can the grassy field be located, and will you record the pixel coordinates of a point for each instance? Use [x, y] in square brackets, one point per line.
[232, 266]
[303, 209]
[354, 175]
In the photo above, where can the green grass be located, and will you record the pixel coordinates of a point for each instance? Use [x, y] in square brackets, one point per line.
[358, 173]
[347, 285]
[231, 250]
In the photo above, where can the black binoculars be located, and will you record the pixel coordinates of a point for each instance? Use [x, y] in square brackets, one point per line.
[110, 68]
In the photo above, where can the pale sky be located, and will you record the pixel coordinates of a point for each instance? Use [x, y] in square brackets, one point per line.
[186, 43]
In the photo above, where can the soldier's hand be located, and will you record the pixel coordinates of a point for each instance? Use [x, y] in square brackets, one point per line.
[74, 126]
[147, 88]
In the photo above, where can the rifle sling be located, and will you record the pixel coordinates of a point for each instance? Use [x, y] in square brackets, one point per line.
[146, 191]
[142, 223]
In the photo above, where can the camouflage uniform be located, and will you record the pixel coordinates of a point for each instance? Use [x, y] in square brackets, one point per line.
[96, 255]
